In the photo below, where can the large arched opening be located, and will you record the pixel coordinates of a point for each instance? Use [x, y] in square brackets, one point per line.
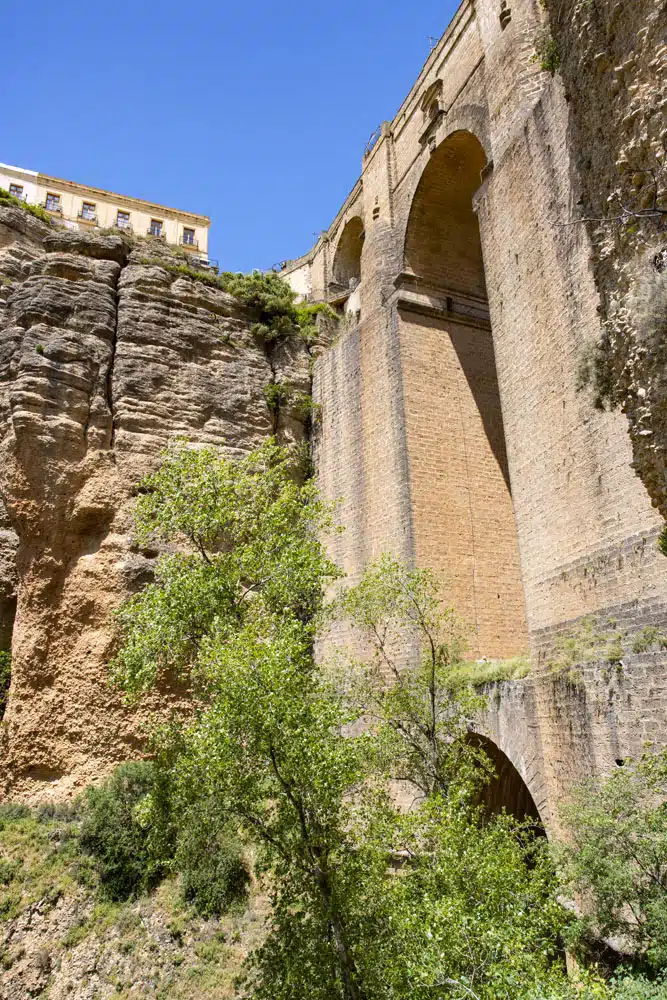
[463, 516]
[347, 258]
[442, 244]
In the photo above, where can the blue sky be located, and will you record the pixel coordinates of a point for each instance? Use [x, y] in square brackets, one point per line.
[253, 113]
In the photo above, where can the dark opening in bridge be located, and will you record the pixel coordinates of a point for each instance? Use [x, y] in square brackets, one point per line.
[442, 243]
[507, 790]
[347, 259]
[443, 248]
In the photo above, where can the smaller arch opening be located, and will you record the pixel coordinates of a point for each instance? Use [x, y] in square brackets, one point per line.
[347, 259]
[507, 790]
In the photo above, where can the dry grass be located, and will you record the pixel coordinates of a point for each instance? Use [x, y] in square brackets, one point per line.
[480, 672]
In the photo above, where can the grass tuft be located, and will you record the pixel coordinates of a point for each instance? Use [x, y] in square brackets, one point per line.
[480, 672]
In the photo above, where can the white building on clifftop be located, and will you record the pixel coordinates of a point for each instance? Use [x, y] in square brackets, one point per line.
[79, 206]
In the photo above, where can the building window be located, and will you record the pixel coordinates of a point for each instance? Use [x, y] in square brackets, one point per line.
[88, 211]
[123, 220]
[53, 203]
[156, 227]
[16, 191]
[189, 237]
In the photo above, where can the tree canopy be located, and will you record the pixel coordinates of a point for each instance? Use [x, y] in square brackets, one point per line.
[371, 899]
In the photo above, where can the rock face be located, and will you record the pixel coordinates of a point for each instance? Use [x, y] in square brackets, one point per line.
[613, 60]
[103, 358]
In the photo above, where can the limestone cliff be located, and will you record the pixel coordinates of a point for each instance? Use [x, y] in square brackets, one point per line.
[613, 59]
[104, 356]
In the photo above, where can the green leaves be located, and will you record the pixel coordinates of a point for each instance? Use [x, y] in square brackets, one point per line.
[248, 537]
[407, 687]
[115, 832]
[474, 906]
[302, 766]
[267, 294]
[617, 860]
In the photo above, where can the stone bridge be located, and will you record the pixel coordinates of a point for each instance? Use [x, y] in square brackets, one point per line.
[454, 428]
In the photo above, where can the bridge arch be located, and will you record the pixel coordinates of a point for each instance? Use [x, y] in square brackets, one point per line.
[443, 318]
[470, 118]
[346, 269]
[507, 790]
[344, 291]
[441, 242]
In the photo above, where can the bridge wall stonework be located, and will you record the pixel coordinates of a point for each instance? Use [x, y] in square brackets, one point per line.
[453, 427]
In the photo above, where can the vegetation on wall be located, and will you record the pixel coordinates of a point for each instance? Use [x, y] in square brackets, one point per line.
[8, 200]
[616, 860]
[591, 640]
[280, 394]
[547, 53]
[267, 294]
[477, 673]
[639, 315]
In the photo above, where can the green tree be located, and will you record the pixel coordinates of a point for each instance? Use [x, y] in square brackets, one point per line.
[236, 612]
[270, 748]
[474, 911]
[616, 861]
[300, 765]
[248, 540]
[405, 685]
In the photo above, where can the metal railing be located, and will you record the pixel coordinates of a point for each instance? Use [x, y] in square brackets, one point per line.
[127, 226]
[53, 207]
[19, 195]
[157, 234]
[189, 243]
[207, 262]
[87, 217]
[373, 140]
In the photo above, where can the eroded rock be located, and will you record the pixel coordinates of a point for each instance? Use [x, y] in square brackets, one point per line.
[104, 356]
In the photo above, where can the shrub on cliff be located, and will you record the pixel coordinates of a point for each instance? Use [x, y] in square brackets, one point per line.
[209, 861]
[267, 294]
[616, 862]
[118, 836]
[8, 200]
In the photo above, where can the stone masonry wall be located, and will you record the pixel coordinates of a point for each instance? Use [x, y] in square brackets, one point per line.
[585, 528]
[454, 426]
